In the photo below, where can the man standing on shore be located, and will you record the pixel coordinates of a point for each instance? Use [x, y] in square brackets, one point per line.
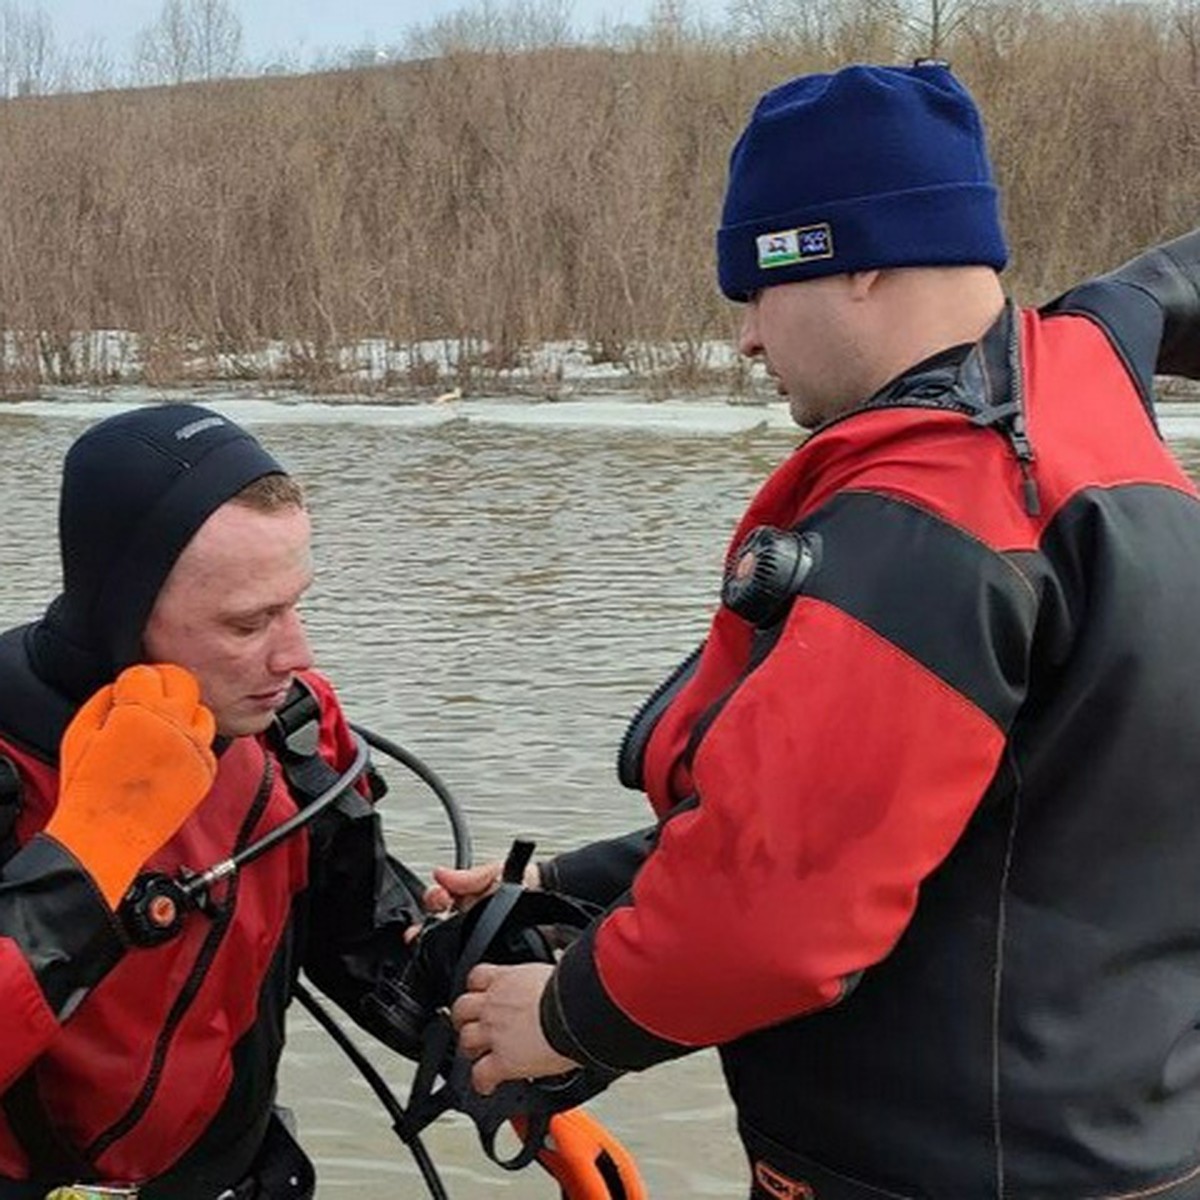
[927, 864]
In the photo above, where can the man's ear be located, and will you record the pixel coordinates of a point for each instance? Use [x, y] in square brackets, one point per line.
[862, 283]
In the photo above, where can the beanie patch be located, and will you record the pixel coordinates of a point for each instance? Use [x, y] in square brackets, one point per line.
[786, 247]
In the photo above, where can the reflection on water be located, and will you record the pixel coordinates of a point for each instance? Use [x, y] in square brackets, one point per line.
[498, 598]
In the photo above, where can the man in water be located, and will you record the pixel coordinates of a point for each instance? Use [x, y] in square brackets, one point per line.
[140, 1052]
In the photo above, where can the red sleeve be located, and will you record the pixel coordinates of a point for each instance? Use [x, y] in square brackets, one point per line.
[28, 1022]
[837, 777]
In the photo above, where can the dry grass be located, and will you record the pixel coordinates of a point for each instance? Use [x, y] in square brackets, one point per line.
[514, 198]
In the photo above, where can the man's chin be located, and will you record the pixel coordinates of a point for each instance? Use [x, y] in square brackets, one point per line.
[243, 724]
[803, 413]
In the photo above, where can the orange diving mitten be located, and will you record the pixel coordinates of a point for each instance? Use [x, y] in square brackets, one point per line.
[136, 760]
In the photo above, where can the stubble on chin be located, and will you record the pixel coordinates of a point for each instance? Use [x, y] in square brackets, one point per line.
[803, 414]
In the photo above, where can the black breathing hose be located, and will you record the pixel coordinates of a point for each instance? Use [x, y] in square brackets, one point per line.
[462, 858]
[429, 777]
[378, 1085]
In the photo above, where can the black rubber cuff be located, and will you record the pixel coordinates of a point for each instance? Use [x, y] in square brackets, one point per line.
[50, 906]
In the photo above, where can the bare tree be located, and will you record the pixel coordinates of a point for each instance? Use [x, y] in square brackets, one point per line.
[28, 61]
[217, 35]
[517, 25]
[931, 24]
[190, 39]
[924, 27]
[9, 23]
[90, 67]
[478, 27]
[1186, 19]
[37, 63]
[786, 24]
[668, 20]
[163, 49]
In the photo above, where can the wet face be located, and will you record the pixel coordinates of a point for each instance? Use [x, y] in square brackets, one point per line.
[228, 612]
[808, 336]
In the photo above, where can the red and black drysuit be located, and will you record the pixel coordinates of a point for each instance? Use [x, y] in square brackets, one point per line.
[927, 867]
[158, 1065]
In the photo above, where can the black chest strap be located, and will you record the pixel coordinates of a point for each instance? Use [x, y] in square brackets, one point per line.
[10, 807]
[294, 737]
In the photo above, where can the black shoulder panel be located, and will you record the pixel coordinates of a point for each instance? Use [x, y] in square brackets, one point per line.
[10, 807]
[1170, 276]
[963, 610]
[1150, 308]
[1132, 321]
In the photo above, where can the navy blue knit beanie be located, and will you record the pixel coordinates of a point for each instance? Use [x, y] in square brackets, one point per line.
[136, 488]
[868, 167]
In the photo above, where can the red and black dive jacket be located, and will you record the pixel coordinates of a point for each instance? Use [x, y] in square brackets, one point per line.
[158, 1064]
[928, 864]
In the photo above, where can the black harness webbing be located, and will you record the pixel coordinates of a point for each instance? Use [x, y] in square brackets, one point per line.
[295, 737]
[10, 807]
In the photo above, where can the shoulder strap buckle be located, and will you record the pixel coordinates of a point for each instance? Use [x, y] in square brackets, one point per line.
[296, 726]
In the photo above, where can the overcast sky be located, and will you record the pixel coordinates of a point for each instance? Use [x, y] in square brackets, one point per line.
[304, 29]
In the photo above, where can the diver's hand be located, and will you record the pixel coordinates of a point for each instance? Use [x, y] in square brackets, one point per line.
[136, 760]
[460, 889]
[499, 1025]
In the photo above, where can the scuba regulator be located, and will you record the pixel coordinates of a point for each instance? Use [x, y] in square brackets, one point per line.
[410, 1011]
[768, 572]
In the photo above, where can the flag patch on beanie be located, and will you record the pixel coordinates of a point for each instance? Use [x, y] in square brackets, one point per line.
[787, 246]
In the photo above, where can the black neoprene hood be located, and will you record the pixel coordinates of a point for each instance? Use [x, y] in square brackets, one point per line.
[136, 488]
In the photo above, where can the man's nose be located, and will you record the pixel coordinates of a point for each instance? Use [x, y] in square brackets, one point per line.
[291, 651]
